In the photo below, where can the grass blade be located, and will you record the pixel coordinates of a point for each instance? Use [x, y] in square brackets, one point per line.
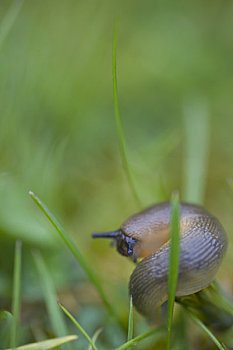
[5, 328]
[95, 337]
[73, 248]
[56, 317]
[211, 306]
[16, 293]
[47, 344]
[220, 298]
[78, 326]
[9, 20]
[130, 322]
[120, 134]
[206, 330]
[196, 122]
[158, 333]
[173, 260]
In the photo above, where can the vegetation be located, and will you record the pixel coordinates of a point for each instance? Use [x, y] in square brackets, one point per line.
[172, 80]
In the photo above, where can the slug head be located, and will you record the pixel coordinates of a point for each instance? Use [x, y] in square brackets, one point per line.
[124, 244]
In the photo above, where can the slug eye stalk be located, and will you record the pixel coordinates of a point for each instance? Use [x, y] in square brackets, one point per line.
[125, 244]
[112, 234]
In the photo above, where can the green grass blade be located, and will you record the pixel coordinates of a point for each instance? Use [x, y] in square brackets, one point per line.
[130, 322]
[56, 317]
[5, 328]
[173, 260]
[220, 298]
[47, 344]
[120, 134]
[16, 293]
[95, 337]
[206, 330]
[211, 306]
[73, 248]
[158, 334]
[9, 20]
[196, 147]
[78, 326]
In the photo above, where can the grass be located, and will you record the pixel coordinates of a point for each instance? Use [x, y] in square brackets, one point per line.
[59, 327]
[130, 322]
[42, 86]
[50, 294]
[6, 319]
[120, 133]
[196, 149]
[220, 298]
[50, 297]
[47, 344]
[73, 248]
[90, 341]
[16, 294]
[206, 330]
[157, 333]
[173, 261]
[95, 337]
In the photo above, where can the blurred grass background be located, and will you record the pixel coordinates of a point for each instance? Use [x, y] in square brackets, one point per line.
[58, 137]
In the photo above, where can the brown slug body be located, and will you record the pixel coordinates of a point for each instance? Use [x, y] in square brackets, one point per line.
[146, 234]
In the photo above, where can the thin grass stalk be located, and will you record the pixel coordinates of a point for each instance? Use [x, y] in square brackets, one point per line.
[120, 133]
[78, 325]
[16, 293]
[95, 337]
[173, 260]
[158, 333]
[130, 321]
[205, 329]
[79, 257]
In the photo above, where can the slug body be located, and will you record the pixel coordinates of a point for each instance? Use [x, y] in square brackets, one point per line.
[147, 234]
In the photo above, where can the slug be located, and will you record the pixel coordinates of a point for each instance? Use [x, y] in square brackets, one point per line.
[146, 235]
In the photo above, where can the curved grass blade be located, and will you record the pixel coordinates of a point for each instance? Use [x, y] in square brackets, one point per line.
[78, 326]
[120, 134]
[55, 315]
[130, 322]
[16, 293]
[205, 329]
[9, 20]
[158, 334]
[173, 260]
[47, 344]
[73, 248]
[95, 337]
